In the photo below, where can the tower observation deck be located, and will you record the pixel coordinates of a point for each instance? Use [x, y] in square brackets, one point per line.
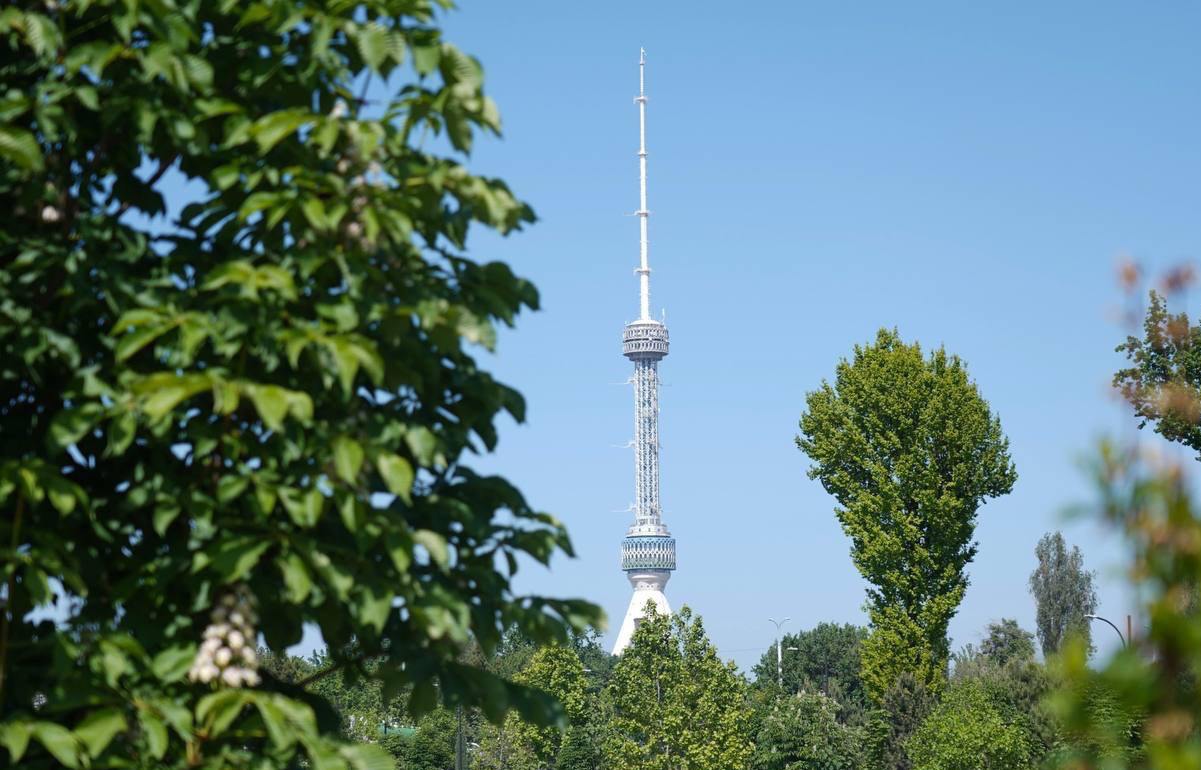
[648, 552]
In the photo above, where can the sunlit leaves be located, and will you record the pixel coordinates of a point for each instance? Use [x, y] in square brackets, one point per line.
[274, 387]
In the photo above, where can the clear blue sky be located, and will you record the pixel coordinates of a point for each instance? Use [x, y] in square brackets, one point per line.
[967, 174]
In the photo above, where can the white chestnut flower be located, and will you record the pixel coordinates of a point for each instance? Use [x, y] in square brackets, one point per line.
[342, 166]
[339, 110]
[226, 656]
[50, 214]
[354, 229]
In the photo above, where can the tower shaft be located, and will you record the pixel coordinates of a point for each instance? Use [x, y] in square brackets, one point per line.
[646, 443]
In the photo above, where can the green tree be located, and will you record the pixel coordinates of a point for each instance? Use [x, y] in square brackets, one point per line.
[1063, 593]
[900, 712]
[581, 748]
[674, 704]
[969, 730]
[1007, 642]
[557, 671]
[1163, 384]
[803, 732]
[910, 450]
[826, 659]
[262, 405]
[1019, 684]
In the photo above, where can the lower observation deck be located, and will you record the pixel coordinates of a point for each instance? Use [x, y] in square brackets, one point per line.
[648, 553]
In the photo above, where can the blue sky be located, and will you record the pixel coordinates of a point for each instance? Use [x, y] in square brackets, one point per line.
[969, 175]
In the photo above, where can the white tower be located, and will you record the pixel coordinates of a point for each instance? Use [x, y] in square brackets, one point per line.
[648, 552]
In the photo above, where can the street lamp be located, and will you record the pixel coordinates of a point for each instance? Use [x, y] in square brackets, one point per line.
[1117, 630]
[779, 650]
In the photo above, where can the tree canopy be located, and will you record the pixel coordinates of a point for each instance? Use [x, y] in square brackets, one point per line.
[910, 450]
[825, 659]
[673, 704]
[1163, 382]
[271, 393]
[1063, 593]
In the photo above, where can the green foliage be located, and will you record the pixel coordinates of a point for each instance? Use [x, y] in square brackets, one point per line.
[826, 659]
[1007, 642]
[581, 749]
[969, 730]
[557, 671]
[1140, 710]
[1063, 593]
[275, 388]
[1019, 684]
[910, 450]
[901, 711]
[673, 704]
[803, 732]
[1163, 385]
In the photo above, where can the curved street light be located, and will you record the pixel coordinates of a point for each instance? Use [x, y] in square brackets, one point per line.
[779, 650]
[1117, 630]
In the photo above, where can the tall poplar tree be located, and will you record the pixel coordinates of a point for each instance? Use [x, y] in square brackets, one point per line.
[674, 704]
[1063, 593]
[910, 450]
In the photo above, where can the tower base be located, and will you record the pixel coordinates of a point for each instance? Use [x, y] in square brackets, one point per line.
[648, 587]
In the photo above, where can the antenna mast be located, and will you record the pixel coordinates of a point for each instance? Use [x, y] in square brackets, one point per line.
[644, 268]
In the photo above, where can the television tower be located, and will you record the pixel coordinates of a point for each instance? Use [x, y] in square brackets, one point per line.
[648, 552]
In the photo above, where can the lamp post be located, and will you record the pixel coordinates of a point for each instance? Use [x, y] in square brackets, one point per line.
[1116, 630]
[779, 650]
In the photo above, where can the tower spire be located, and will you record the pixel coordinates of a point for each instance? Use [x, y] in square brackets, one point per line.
[644, 268]
[648, 552]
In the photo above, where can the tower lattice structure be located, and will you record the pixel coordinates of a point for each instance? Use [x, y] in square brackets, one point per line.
[648, 551]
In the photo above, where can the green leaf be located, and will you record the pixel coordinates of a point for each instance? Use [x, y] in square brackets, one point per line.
[171, 665]
[397, 474]
[348, 458]
[121, 432]
[59, 741]
[233, 558]
[155, 731]
[231, 487]
[20, 147]
[435, 544]
[164, 514]
[130, 343]
[14, 736]
[296, 577]
[62, 493]
[314, 212]
[164, 391]
[304, 506]
[280, 733]
[273, 403]
[70, 425]
[98, 729]
[422, 443]
[374, 607]
[366, 756]
[372, 41]
[271, 129]
[218, 710]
